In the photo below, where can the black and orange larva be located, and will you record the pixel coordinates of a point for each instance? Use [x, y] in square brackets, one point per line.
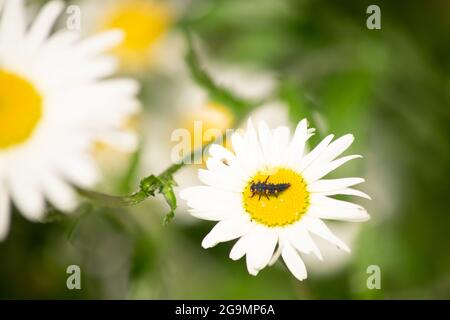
[267, 189]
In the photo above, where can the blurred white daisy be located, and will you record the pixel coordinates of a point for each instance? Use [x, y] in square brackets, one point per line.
[270, 194]
[54, 105]
[149, 38]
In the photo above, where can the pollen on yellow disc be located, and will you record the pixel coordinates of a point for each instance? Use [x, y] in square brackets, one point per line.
[143, 23]
[20, 109]
[276, 208]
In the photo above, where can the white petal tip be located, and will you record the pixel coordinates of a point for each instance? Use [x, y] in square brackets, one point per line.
[346, 249]
[235, 255]
[57, 4]
[364, 216]
[350, 136]
[207, 243]
[68, 207]
[4, 233]
[253, 272]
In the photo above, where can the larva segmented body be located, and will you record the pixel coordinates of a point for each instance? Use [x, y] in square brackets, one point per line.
[267, 189]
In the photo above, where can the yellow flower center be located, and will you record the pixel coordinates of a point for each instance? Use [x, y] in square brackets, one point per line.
[276, 197]
[208, 124]
[143, 23]
[20, 109]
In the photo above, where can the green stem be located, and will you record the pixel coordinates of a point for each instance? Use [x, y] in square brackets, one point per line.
[147, 187]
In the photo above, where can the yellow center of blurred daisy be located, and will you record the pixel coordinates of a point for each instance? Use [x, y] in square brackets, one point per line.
[143, 23]
[208, 124]
[276, 197]
[20, 109]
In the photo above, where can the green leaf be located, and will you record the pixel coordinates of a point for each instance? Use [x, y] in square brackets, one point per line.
[219, 94]
[111, 201]
[150, 185]
[162, 184]
[171, 199]
[294, 97]
[128, 179]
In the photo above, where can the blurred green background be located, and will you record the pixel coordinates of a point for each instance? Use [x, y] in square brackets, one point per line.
[389, 87]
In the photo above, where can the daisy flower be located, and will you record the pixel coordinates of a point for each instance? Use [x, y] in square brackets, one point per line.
[270, 195]
[54, 106]
[147, 26]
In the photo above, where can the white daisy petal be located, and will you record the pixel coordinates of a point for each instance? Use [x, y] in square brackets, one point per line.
[239, 145]
[335, 148]
[324, 201]
[220, 153]
[344, 214]
[80, 171]
[199, 196]
[120, 139]
[227, 230]
[280, 145]
[96, 69]
[318, 172]
[99, 43]
[220, 180]
[275, 256]
[299, 237]
[254, 152]
[260, 248]
[297, 145]
[223, 160]
[315, 153]
[333, 184]
[240, 247]
[215, 164]
[27, 197]
[42, 26]
[4, 212]
[61, 39]
[209, 215]
[251, 270]
[346, 191]
[319, 228]
[294, 262]
[203, 201]
[59, 193]
[242, 151]
[12, 28]
[265, 137]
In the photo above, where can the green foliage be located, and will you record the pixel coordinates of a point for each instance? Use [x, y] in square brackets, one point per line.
[217, 93]
[163, 185]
